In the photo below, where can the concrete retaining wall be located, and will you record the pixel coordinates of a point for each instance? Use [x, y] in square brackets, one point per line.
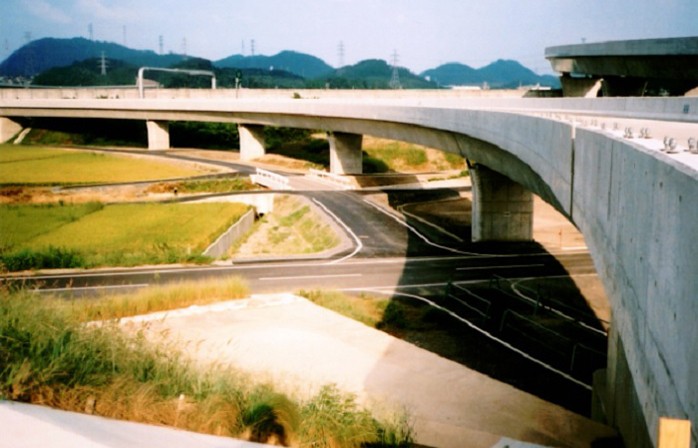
[638, 210]
[219, 247]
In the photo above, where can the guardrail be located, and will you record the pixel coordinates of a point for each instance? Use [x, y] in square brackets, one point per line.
[335, 179]
[270, 179]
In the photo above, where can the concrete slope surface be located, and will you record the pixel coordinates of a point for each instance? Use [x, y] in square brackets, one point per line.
[301, 346]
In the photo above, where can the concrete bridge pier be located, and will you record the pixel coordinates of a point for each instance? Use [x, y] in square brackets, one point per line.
[8, 129]
[502, 209]
[158, 134]
[252, 144]
[345, 153]
[580, 87]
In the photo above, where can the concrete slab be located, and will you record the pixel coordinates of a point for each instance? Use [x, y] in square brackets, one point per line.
[30, 426]
[301, 347]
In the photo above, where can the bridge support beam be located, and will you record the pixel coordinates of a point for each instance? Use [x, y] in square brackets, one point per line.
[252, 144]
[502, 209]
[158, 134]
[8, 129]
[345, 153]
[580, 87]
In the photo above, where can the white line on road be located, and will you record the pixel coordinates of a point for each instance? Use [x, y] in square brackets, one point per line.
[415, 231]
[304, 277]
[359, 244]
[480, 268]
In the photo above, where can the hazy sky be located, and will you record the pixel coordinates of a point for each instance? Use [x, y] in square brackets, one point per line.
[424, 33]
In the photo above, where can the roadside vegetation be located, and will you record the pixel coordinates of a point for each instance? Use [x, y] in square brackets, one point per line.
[196, 186]
[383, 156]
[41, 165]
[49, 355]
[92, 235]
[292, 228]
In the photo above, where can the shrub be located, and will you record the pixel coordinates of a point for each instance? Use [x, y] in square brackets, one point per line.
[49, 258]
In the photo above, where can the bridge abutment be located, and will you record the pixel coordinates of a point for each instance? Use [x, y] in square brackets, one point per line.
[8, 129]
[252, 142]
[502, 209]
[158, 134]
[345, 153]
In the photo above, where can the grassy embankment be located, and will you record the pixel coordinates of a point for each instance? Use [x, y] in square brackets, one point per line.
[293, 228]
[49, 356]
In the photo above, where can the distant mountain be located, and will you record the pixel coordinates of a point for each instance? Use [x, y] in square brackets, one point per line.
[500, 74]
[287, 69]
[42, 54]
[374, 74]
[300, 64]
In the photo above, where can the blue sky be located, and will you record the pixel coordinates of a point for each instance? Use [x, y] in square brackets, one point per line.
[424, 33]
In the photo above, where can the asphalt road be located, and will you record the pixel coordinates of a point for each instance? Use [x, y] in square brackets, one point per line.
[386, 252]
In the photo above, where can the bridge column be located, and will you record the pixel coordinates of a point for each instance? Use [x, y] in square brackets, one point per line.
[158, 134]
[8, 129]
[502, 209]
[251, 141]
[580, 87]
[345, 153]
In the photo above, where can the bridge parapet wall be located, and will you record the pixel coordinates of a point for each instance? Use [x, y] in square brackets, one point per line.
[638, 210]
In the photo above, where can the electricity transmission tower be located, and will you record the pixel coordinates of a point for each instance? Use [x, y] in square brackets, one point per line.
[340, 54]
[395, 78]
[103, 64]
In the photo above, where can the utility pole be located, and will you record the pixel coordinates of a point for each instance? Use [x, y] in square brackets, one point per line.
[395, 79]
[91, 31]
[251, 47]
[161, 44]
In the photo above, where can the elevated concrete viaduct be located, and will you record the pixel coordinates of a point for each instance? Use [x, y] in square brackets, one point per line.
[636, 206]
[628, 67]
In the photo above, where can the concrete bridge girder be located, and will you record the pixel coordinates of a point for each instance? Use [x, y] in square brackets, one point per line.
[637, 209]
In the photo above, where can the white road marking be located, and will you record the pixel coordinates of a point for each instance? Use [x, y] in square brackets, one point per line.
[359, 244]
[304, 277]
[480, 268]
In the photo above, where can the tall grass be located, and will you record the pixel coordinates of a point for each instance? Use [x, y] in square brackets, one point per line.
[49, 356]
[164, 297]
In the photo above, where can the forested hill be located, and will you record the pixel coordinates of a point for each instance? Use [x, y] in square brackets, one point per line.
[502, 74]
[42, 54]
[304, 65]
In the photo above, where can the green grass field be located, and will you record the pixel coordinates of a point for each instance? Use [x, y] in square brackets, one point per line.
[113, 235]
[39, 165]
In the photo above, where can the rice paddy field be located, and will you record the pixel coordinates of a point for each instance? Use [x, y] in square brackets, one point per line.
[94, 234]
[40, 165]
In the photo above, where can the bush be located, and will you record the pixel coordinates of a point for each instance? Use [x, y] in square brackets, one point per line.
[49, 258]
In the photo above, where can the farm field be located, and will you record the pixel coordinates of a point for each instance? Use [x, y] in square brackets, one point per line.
[110, 235]
[40, 165]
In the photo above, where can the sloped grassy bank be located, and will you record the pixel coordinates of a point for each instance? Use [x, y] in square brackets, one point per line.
[50, 356]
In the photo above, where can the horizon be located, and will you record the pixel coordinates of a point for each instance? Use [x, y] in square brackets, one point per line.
[422, 35]
[494, 61]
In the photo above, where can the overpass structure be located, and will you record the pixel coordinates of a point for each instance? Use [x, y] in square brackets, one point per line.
[633, 195]
[627, 68]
